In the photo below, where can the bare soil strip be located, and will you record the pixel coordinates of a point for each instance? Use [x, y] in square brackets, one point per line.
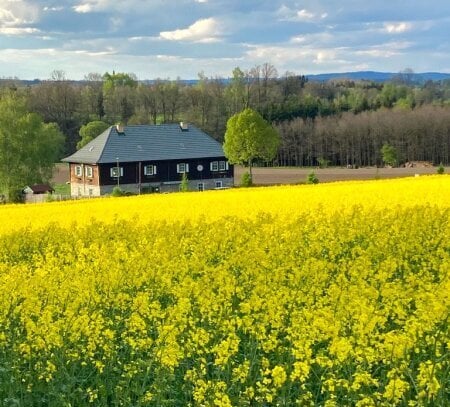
[282, 175]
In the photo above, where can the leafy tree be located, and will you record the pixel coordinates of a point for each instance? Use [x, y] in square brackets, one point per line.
[248, 137]
[91, 130]
[114, 80]
[184, 186]
[119, 93]
[440, 169]
[28, 147]
[389, 154]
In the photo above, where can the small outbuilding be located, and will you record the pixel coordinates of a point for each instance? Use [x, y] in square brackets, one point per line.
[37, 192]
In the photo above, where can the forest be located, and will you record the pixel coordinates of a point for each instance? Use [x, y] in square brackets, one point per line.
[338, 122]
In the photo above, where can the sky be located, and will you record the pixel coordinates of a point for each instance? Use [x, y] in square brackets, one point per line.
[181, 38]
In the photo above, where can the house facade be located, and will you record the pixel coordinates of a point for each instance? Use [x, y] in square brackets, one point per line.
[149, 158]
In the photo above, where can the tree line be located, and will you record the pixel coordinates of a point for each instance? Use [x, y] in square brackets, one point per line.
[342, 121]
[348, 139]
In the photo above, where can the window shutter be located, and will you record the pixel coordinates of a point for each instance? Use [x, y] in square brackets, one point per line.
[154, 170]
[178, 168]
[227, 167]
[187, 167]
[121, 171]
[211, 166]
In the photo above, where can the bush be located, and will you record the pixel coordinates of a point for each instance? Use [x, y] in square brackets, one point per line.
[184, 186]
[246, 180]
[440, 169]
[117, 191]
[312, 178]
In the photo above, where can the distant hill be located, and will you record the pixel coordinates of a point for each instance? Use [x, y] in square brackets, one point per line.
[378, 76]
[324, 77]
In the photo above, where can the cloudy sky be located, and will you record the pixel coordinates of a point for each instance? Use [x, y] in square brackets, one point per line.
[180, 38]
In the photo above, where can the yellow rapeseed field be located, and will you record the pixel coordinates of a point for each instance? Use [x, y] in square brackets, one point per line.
[320, 295]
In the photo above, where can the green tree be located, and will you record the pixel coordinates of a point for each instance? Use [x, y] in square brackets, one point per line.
[389, 154]
[28, 147]
[248, 137]
[115, 80]
[91, 130]
[184, 186]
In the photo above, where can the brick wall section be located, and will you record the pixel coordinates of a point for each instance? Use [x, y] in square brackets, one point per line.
[80, 185]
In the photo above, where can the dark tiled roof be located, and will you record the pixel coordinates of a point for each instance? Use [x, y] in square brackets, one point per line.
[147, 143]
[41, 188]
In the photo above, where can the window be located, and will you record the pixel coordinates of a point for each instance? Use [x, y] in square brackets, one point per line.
[89, 172]
[182, 168]
[201, 186]
[91, 191]
[219, 165]
[218, 184]
[78, 170]
[150, 170]
[115, 172]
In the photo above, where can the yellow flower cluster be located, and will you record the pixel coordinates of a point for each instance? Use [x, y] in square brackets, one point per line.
[334, 294]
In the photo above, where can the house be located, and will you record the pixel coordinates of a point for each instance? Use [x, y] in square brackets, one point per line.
[37, 192]
[149, 158]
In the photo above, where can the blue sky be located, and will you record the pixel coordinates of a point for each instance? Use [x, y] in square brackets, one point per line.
[180, 38]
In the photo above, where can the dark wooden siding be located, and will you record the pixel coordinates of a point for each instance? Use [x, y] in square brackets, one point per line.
[166, 171]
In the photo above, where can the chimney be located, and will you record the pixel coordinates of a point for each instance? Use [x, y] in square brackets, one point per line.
[120, 128]
[184, 126]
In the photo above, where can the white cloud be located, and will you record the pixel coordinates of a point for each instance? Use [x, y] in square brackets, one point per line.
[88, 6]
[305, 15]
[397, 28]
[14, 13]
[205, 30]
[18, 30]
[46, 8]
[287, 14]
[386, 50]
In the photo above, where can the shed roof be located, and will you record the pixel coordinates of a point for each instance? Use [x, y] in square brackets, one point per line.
[147, 143]
[38, 189]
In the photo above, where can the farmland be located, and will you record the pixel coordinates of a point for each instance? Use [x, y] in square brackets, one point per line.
[331, 294]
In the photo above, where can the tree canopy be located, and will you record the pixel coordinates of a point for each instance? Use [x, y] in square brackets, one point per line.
[91, 130]
[28, 147]
[249, 137]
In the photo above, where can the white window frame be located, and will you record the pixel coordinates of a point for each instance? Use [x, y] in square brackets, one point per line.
[88, 170]
[182, 168]
[78, 170]
[150, 169]
[214, 166]
[201, 186]
[113, 172]
[218, 184]
[222, 165]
